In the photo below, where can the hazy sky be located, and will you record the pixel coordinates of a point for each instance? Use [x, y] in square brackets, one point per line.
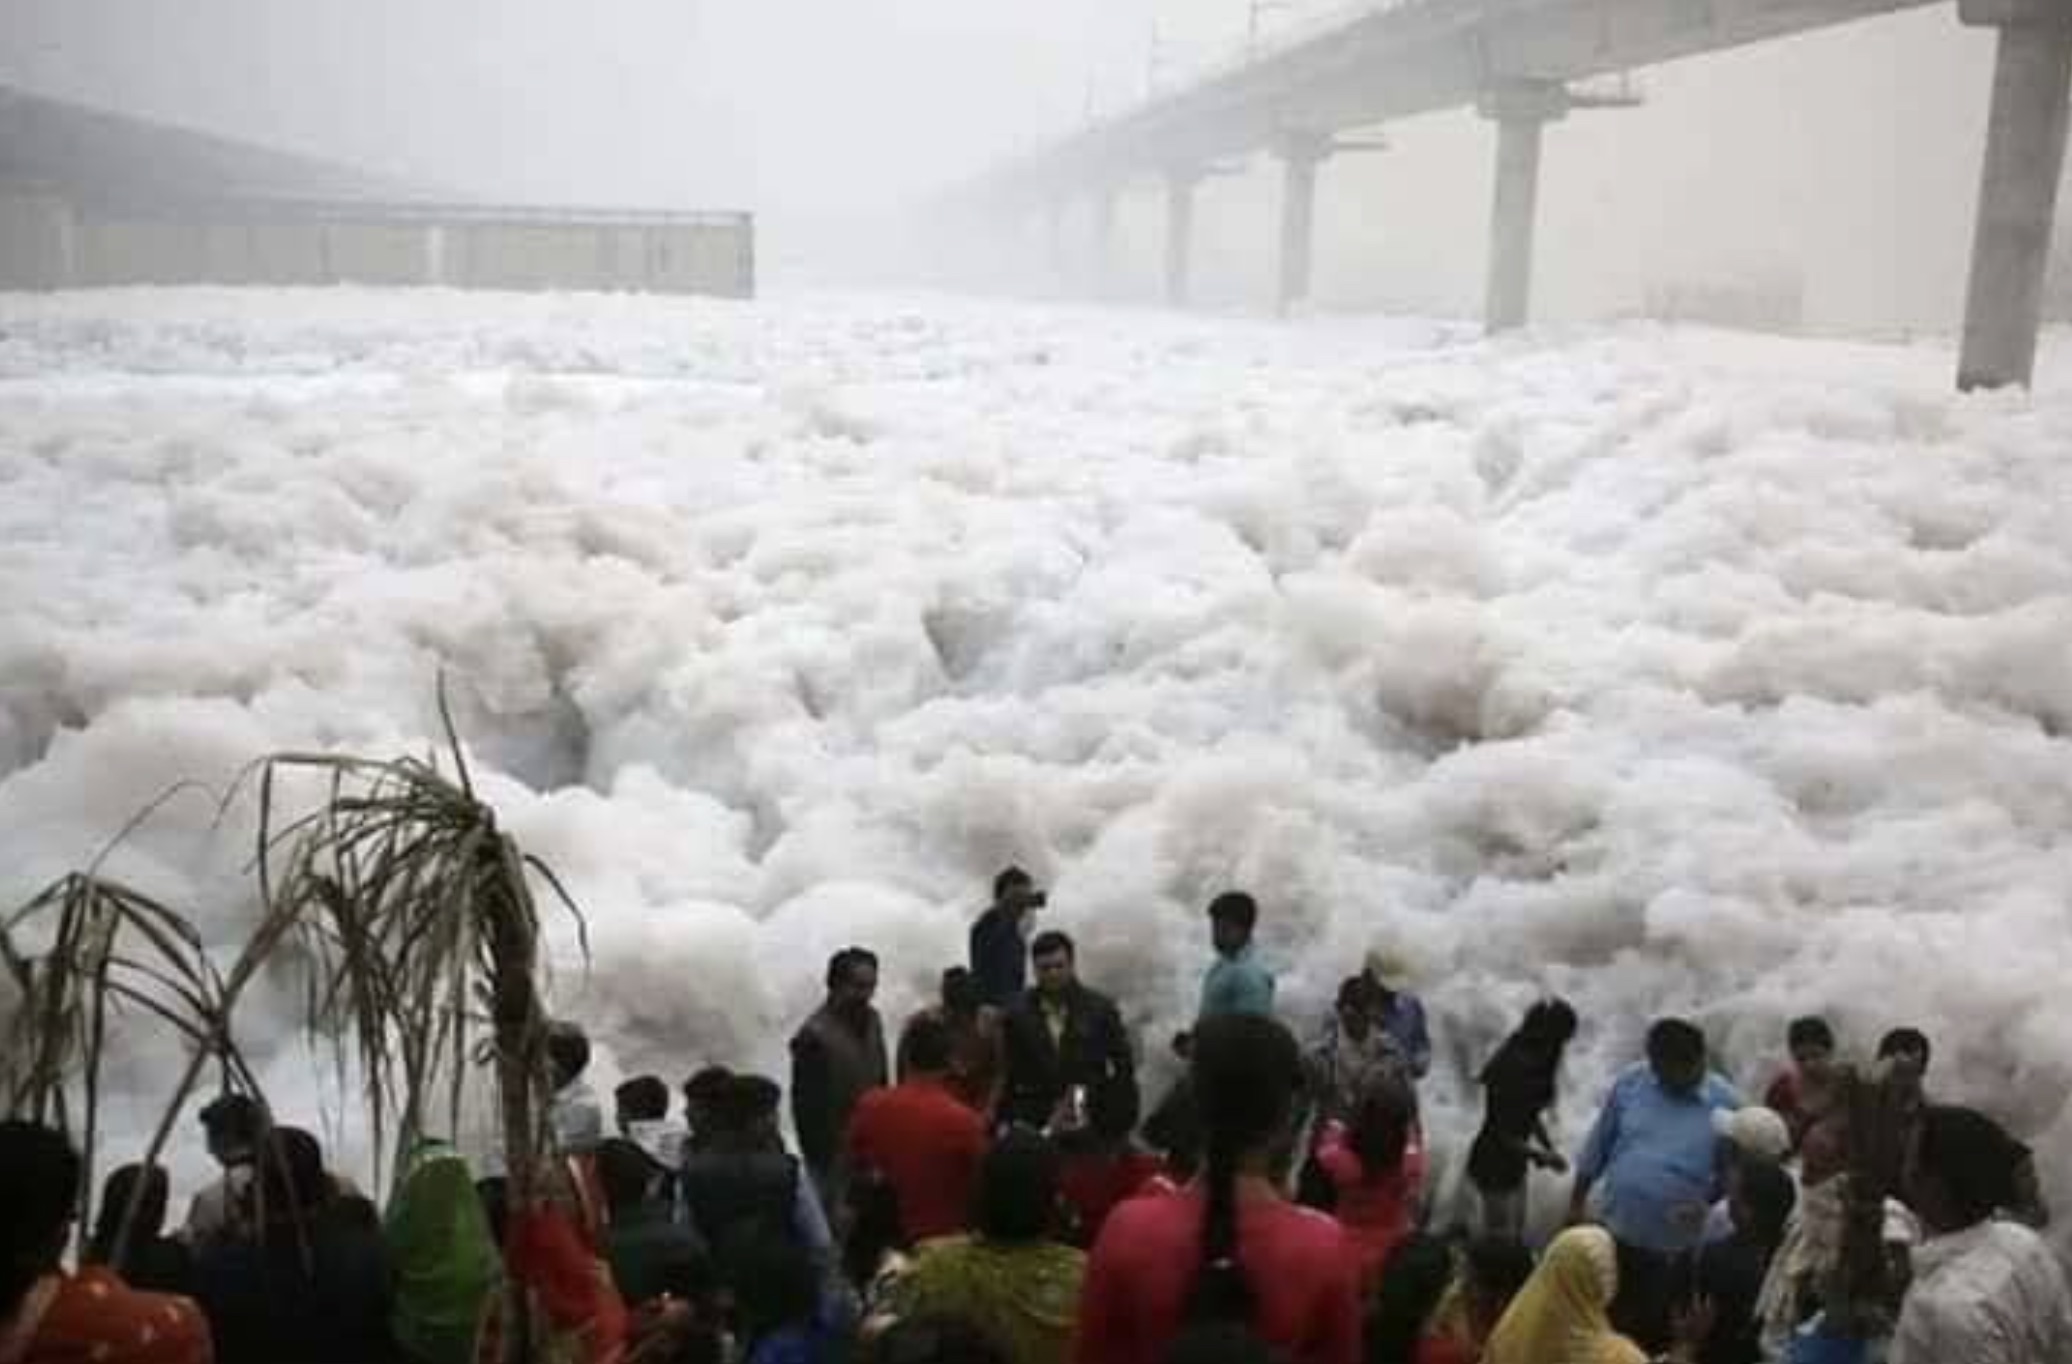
[1848, 157]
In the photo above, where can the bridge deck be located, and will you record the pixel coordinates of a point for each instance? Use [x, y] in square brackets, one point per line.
[1413, 57]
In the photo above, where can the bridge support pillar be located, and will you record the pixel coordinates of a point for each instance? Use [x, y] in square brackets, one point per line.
[1102, 261]
[1300, 157]
[1521, 111]
[2018, 191]
[1180, 186]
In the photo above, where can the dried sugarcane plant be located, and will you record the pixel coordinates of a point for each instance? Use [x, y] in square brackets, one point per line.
[411, 915]
[82, 950]
[417, 911]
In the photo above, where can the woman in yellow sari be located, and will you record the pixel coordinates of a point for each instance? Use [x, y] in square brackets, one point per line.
[1559, 1317]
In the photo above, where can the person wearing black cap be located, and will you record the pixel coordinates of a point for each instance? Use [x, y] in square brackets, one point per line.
[999, 956]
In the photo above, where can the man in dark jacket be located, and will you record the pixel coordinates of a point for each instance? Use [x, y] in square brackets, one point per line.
[999, 960]
[837, 1055]
[1065, 1048]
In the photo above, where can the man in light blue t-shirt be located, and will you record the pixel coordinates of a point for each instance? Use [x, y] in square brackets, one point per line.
[1238, 982]
[1656, 1152]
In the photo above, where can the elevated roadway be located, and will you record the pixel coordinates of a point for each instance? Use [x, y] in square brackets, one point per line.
[1522, 63]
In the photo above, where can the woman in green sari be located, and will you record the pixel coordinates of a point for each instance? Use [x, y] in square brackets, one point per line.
[1009, 1280]
[445, 1257]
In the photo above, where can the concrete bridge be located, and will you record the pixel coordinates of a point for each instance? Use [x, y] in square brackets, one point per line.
[1519, 62]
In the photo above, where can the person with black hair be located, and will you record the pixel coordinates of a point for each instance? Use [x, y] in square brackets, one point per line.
[974, 1040]
[47, 1315]
[1237, 982]
[1903, 1056]
[702, 1096]
[1728, 1275]
[642, 1105]
[1063, 1042]
[999, 956]
[573, 1112]
[134, 1197]
[1228, 1249]
[1353, 1052]
[780, 1312]
[1904, 1053]
[1376, 1167]
[742, 1175]
[836, 1055]
[314, 1284]
[1490, 1272]
[1655, 1150]
[920, 1138]
[1985, 1291]
[1518, 1091]
[1804, 1090]
[1010, 1277]
[1409, 1291]
[1173, 1130]
[1101, 1169]
[641, 1241]
[231, 1126]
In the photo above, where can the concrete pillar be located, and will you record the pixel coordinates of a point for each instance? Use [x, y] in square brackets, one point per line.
[1299, 162]
[1179, 234]
[1101, 260]
[1521, 113]
[2018, 191]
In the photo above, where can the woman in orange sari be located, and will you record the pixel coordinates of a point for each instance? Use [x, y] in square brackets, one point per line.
[50, 1317]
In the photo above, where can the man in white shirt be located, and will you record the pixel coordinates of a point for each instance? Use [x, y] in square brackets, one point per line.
[1984, 1291]
[573, 1113]
[232, 1125]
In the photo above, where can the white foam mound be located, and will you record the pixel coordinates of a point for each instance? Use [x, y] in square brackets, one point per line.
[1669, 671]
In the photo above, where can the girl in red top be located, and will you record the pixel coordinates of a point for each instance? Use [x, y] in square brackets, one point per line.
[1377, 1167]
[1228, 1249]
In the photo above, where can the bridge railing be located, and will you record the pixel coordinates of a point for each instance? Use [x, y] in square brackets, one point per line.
[1280, 39]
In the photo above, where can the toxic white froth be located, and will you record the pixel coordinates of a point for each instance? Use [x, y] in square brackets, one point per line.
[1668, 671]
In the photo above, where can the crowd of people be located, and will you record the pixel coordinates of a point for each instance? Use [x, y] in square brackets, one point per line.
[999, 1195]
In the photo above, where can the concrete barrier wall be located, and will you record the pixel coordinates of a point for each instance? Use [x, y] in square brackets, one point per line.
[701, 258]
[45, 243]
[35, 241]
[378, 253]
[142, 251]
[286, 253]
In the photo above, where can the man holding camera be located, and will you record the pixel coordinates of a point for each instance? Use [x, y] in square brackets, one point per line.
[999, 951]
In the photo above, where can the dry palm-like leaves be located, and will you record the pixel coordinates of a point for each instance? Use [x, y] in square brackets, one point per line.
[417, 911]
[411, 912]
[87, 947]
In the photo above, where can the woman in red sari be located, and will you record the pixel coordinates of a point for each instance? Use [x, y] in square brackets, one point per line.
[551, 1259]
[50, 1317]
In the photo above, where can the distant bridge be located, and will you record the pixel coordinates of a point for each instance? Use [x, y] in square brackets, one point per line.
[1518, 62]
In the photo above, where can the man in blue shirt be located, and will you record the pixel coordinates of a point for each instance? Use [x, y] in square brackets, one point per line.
[1657, 1154]
[1238, 982]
